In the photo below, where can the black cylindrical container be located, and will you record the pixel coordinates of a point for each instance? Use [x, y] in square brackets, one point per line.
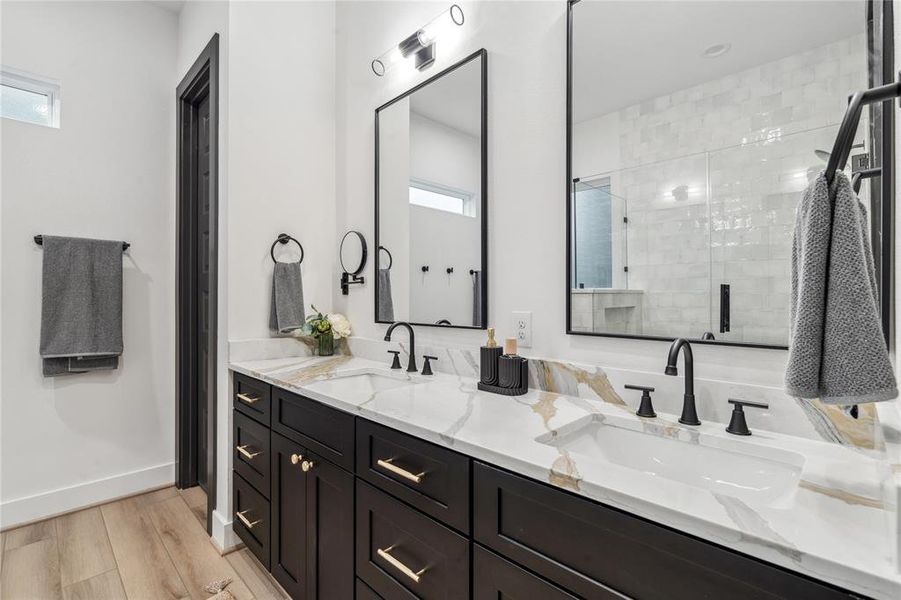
[488, 364]
[509, 369]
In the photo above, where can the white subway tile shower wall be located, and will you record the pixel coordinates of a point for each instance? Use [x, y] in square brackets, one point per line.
[711, 175]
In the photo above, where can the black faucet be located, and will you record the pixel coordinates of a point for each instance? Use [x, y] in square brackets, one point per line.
[411, 364]
[689, 412]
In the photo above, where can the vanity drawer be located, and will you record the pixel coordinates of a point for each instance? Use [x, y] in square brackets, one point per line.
[250, 456]
[324, 430]
[364, 592]
[595, 551]
[251, 397]
[396, 546]
[428, 477]
[493, 578]
[251, 518]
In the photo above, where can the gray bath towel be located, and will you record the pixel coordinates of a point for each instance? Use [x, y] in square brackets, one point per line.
[836, 348]
[287, 311]
[81, 305]
[386, 302]
[476, 298]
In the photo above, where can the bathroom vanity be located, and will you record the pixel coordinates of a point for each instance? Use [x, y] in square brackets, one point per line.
[354, 480]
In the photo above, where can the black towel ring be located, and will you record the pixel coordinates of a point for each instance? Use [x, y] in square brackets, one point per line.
[390, 258]
[284, 238]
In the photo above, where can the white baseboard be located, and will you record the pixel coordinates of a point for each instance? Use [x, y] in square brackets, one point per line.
[224, 538]
[63, 500]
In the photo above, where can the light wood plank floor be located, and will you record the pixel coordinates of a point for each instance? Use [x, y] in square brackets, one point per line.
[147, 547]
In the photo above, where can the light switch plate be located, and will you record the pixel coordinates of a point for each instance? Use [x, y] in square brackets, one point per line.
[522, 327]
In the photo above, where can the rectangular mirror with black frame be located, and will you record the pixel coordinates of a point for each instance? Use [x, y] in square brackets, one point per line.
[692, 130]
[431, 218]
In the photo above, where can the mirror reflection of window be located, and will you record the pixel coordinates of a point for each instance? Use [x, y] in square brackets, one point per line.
[437, 197]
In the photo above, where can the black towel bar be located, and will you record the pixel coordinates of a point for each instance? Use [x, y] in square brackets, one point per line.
[39, 240]
[845, 138]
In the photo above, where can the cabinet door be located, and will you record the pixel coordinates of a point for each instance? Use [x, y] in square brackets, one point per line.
[289, 558]
[330, 531]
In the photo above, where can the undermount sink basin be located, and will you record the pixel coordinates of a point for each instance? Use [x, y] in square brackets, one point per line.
[752, 473]
[364, 383]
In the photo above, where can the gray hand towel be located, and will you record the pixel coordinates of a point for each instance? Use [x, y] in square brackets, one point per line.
[477, 299]
[287, 311]
[386, 302]
[81, 305]
[836, 348]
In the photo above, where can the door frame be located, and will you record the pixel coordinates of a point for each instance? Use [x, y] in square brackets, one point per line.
[201, 80]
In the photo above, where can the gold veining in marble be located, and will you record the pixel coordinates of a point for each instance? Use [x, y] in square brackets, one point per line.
[596, 381]
[323, 369]
[564, 472]
[846, 497]
[859, 432]
[545, 407]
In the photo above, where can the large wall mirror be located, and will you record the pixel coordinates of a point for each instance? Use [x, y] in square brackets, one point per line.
[693, 129]
[430, 200]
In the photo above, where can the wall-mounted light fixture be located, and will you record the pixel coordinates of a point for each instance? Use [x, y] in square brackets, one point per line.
[420, 45]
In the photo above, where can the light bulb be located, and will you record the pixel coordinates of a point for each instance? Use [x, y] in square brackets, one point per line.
[387, 61]
[448, 19]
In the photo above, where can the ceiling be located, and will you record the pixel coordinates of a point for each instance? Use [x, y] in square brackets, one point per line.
[627, 51]
[454, 100]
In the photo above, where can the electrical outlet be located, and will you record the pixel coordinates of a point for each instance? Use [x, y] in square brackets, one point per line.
[522, 326]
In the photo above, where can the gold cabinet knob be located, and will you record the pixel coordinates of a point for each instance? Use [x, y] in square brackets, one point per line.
[306, 465]
[296, 458]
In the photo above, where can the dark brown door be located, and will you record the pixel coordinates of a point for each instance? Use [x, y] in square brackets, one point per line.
[197, 99]
[202, 253]
[330, 531]
[289, 516]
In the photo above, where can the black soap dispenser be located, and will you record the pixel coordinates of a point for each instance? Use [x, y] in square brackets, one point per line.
[489, 353]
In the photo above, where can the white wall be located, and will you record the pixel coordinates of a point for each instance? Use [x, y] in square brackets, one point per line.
[107, 172]
[526, 43]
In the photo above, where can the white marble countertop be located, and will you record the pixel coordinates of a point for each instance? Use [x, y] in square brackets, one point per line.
[835, 525]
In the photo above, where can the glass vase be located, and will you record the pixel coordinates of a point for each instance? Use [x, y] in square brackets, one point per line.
[326, 344]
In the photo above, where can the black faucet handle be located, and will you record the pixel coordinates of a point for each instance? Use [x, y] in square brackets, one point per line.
[737, 424]
[427, 367]
[640, 388]
[395, 363]
[737, 402]
[646, 408]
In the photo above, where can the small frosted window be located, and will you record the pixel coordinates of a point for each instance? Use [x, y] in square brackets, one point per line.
[439, 198]
[29, 99]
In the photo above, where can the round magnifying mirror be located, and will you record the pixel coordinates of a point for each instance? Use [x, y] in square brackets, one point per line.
[353, 252]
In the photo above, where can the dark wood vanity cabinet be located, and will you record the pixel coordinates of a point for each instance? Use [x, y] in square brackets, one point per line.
[293, 506]
[312, 523]
[352, 509]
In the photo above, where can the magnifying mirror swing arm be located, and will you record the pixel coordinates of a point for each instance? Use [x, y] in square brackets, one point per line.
[348, 279]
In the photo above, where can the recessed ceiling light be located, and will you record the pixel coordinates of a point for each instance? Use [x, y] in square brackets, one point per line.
[716, 50]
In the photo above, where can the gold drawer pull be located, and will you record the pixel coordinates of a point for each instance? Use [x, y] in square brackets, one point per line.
[414, 575]
[243, 450]
[389, 465]
[247, 522]
[247, 399]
